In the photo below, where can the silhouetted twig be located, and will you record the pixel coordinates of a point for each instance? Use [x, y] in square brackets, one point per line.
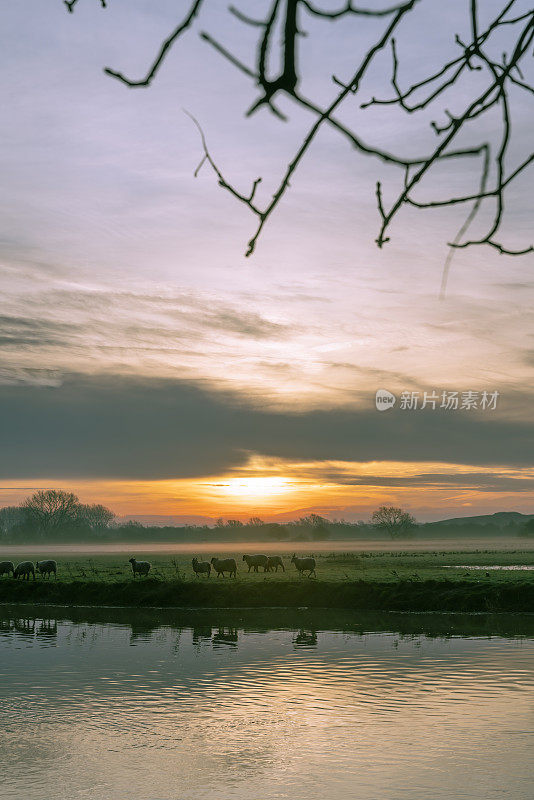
[71, 3]
[163, 51]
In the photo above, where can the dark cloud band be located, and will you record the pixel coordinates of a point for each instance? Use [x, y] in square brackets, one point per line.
[121, 427]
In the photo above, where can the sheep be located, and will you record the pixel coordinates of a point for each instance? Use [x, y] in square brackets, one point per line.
[45, 568]
[304, 565]
[7, 568]
[140, 567]
[222, 565]
[275, 562]
[200, 567]
[24, 569]
[256, 561]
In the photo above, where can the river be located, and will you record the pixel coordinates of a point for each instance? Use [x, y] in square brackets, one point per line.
[263, 705]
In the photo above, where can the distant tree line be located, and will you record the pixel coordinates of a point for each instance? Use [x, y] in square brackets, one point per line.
[57, 515]
[313, 527]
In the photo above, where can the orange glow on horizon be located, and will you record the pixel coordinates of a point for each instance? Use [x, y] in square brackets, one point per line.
[278, 489]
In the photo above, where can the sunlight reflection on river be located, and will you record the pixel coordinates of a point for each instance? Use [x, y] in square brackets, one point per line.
[153, 711]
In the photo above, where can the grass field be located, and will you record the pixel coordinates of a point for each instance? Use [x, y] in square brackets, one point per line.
[438, 581]
[370, 566]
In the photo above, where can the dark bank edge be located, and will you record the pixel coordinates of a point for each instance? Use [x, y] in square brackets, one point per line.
[429, 595]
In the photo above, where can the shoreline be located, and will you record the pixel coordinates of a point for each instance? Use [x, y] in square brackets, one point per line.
[358, 595]
[145, 621]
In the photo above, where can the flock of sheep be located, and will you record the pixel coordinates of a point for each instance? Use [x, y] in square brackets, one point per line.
[221, 566]
[254, 562]
[27, 568]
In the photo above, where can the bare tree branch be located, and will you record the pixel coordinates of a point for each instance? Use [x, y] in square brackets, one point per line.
[264, 216]
[503, 73]
[495, 93]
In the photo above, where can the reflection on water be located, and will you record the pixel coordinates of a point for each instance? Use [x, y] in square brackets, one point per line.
[512, 567]
[176, 705]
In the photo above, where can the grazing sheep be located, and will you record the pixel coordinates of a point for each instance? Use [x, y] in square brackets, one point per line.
[140, 567]
[45, 568]
[222, 565]
[256, 561]
[273, 562]
[304, 565]
[24, 569]
[200, 567]
[7, 568]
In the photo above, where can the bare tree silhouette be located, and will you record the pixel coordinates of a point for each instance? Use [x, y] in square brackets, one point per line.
[475, 55]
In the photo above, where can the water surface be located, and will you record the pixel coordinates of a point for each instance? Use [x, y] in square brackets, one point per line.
[513, 567]
[215, 704]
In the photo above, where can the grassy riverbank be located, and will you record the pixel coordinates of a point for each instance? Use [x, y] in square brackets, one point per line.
[426, 595]
[439, 581]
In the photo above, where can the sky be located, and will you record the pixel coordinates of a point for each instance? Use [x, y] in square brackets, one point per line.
[147, 364]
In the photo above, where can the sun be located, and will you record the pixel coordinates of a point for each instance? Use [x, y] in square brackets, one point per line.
[255, 488]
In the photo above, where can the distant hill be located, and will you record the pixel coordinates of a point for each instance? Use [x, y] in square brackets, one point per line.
[501, 519]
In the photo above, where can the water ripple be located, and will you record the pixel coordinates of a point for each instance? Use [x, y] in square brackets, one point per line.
[376, 716]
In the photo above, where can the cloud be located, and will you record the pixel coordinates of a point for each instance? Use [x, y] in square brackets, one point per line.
[123, 427]
[82, 319]
[23, 332]
[243, 324]
[467, 481]
[520, 286]
[24, 376]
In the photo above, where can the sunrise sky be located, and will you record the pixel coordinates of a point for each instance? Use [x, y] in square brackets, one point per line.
[146, 364]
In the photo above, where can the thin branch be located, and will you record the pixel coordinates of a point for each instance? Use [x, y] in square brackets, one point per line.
[163, 51]
[257, 23]
[351, 9]
[247, 199]
[452, 201]
[229, 57]
[466, 225]
[415, 87]
[70, 4]
[383, 155]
